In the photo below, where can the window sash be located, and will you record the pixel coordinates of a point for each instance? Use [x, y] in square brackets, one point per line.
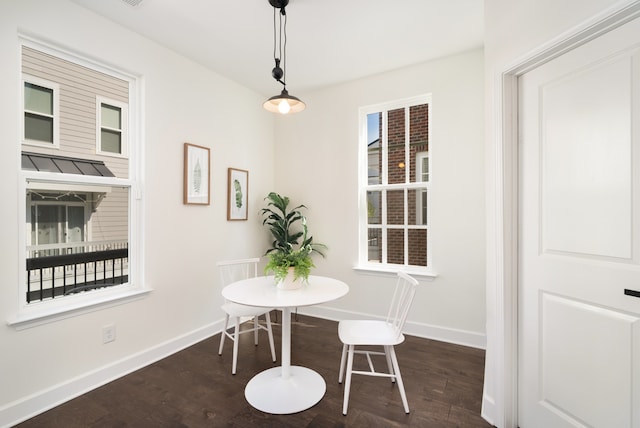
[111, 117]
[38, 127]
[38, 99]
[46, 182]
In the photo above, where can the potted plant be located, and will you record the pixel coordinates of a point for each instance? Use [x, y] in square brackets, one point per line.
[292, 247]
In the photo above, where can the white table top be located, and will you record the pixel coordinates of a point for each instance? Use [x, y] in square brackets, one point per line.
[262, 291]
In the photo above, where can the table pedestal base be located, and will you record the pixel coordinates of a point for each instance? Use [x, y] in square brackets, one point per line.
[269, 392]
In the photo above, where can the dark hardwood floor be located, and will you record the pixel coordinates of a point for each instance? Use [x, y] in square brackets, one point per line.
[195, 388]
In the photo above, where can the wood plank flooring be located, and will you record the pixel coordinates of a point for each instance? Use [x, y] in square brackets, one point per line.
[195, 387]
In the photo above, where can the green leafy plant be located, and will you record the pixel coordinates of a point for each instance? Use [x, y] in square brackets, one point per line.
[238, 191]
[292, 246]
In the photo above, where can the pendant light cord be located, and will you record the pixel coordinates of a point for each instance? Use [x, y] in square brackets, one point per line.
[284, 57]
[274, 34]
[278, 41]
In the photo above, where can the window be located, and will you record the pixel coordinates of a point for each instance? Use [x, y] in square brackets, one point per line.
[112, 126]
[394, 186]
[81, 234]
[40, 104]
[55, 221]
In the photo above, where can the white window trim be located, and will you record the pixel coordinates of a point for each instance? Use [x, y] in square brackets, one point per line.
[124, 110]
[26, 78]
[34, 314]
[363, 186]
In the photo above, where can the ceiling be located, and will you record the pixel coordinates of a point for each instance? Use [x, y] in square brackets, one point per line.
[329, 41]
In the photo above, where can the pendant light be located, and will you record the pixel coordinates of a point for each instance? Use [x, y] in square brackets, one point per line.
[282, 103]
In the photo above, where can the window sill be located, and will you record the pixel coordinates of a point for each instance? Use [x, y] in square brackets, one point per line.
[390, 270]
[50, 311]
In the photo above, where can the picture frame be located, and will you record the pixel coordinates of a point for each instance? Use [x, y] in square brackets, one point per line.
[197, 175]
[237, 194]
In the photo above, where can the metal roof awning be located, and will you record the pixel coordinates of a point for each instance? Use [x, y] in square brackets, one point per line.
[64, 165]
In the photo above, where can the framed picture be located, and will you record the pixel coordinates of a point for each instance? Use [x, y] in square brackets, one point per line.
[237, 194]
[196, 174]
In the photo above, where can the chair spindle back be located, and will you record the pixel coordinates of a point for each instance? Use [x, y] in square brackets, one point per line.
[401, 302]
[236, 270]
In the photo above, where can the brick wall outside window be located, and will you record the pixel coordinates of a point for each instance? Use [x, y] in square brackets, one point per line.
[418, 142]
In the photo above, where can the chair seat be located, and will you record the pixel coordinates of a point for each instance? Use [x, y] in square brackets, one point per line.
[368, 332]
[236, 310]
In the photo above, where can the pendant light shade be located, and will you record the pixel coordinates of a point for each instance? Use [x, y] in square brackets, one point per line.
[282, 103]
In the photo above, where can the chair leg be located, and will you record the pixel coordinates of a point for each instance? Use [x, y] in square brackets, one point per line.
[236, 339]
[347, 385]
[343, 359]
[389, 364]
[396, 370]
[270, 333]
[255, 330]
[224, 334]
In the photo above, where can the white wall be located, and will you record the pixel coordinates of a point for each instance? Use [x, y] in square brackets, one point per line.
[514, 30]
[183, 102]
[317, 166]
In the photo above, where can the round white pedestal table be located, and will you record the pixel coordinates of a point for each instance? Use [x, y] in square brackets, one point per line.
[286, 389]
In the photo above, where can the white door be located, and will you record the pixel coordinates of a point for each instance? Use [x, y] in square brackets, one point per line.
[579, 237]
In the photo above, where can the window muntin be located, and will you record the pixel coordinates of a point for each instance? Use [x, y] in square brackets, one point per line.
[40, 106]
[395, 187]
[112, 127]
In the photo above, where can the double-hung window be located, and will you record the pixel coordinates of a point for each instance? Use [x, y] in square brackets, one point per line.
[394, 183]
[41, 116]
[112, 130]
[80, 203]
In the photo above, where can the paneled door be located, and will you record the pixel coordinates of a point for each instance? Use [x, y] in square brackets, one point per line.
[579, 236]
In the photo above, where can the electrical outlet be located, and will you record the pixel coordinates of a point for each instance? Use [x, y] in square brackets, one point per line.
[108, 333]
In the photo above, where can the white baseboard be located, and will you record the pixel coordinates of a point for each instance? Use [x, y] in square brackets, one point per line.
[488, 409]
[443, 334]
[27, 407]
[42, 401]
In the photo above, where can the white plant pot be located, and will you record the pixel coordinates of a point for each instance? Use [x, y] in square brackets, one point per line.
[288, 283]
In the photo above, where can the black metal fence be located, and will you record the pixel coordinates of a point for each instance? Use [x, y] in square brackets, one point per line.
[52, 276]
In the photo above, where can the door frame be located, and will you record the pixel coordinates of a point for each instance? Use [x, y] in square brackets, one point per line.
[505, 154]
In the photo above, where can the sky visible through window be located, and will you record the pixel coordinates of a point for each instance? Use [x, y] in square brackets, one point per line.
[373, 127]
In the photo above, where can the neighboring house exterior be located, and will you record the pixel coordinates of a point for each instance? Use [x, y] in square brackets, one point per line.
[75, 122]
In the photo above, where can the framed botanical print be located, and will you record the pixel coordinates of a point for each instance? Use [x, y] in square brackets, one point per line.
[237, 194]
[197, 162]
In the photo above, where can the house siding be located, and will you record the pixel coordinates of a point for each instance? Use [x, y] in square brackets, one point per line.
[79, 87]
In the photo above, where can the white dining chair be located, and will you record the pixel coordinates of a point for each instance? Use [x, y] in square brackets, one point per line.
[386, 333]
[236, 270]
